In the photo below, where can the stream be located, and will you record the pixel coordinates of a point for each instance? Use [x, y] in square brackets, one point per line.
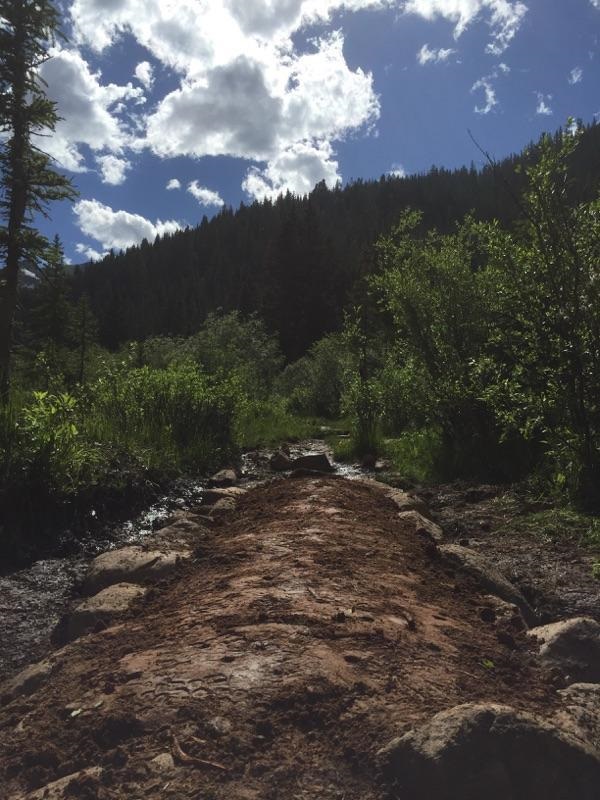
[33, 599]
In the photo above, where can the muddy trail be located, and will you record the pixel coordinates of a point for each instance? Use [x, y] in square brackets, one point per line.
[308, 625]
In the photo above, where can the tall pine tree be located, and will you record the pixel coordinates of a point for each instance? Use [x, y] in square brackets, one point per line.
[28, 181]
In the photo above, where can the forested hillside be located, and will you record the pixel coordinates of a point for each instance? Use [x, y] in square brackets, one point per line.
[295, 261]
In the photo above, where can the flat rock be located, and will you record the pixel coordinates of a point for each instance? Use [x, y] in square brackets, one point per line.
[407, 502]
[212, 496]
[573, 646]
[224, 478]
[422, 524]
[317, 462]
[474, 751]
[79, 784]
[490, 578]
[26, 681]
[101, 609]
[131, 565]
[580, 713]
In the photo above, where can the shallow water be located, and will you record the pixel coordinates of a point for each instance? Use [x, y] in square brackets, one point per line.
[33, 599]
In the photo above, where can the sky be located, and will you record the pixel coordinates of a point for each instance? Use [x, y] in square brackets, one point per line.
[173, 109]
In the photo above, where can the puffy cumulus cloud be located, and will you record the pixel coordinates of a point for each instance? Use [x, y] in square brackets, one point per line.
[89, 252]
[576, 74]
[117, 229]
[174, 183]
[144, 72]
[426, 55]
[245, 91]
[504, 17]
[113, 169]
[543, 107]
[86, 107]
[242, 110]
[232, 113]
[397, 171]
[296, 169]
[491, 101]
[206, 197]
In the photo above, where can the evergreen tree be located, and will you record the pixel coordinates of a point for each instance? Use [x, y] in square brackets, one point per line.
[27, 178]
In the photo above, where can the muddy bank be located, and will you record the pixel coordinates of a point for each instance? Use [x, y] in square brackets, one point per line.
[312, 626]
[34, 596]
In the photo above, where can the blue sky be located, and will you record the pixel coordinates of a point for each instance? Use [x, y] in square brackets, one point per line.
[238, 100]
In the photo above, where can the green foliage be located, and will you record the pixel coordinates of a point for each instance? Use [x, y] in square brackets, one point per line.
[314, 385]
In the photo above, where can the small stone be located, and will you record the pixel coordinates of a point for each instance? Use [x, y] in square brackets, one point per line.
[422, 525]
[162, 763]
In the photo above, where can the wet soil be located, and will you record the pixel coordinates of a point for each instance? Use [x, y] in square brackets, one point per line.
[312, 627]
[553, 572]
[34, 596]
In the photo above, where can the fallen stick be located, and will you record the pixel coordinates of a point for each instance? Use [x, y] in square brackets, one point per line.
[179, 755]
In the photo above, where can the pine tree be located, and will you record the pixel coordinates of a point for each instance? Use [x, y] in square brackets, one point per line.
[28, 180]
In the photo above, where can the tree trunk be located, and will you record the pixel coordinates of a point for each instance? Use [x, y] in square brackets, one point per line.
[16, 191]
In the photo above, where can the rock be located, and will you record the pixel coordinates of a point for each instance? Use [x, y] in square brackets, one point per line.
[131, 565]
[103, 608]
[163, 763]
[212, 496]
[580, 714]
[422, 525]
[474, 751]
[489, 577]
[573, 646]
[280, 462]
[223, 505]
[223, 479]
[406, 502]
[76, 785]
[317, 462]
[27, 681]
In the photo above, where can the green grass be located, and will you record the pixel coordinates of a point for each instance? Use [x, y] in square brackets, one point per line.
[268, 423]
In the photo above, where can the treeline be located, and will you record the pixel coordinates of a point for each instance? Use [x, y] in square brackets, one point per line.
[296, 261]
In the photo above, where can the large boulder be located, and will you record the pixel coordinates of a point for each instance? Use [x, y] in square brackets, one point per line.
[101, 609]
[474, 751]
[573, 646]
[317, 462]
[131, 565]
[487, 574]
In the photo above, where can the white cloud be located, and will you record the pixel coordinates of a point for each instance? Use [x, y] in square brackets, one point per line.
[504, 68]
[174, 183]
[206, 197]
[245, 91]
[89, 252]
[86, 108]
[576, 74]
[504, 17]
[427, 55]
[595, 3]
[113, 169]
[543, 106]
[144, 72]
[297, 170]
[117, 229]
[491, 101]
[397, 171]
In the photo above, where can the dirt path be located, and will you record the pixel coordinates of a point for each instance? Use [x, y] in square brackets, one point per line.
[312, 627]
